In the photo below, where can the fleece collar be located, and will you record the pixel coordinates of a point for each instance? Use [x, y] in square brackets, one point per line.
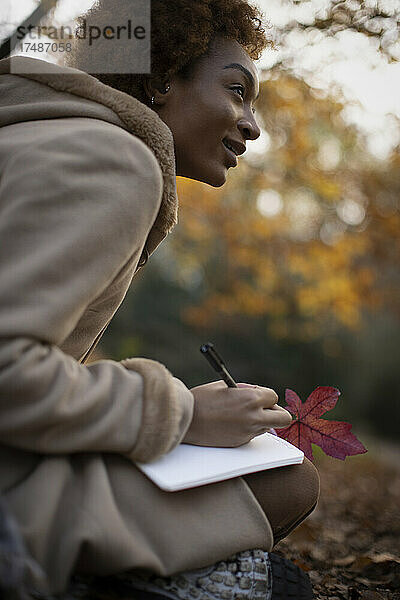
[138, 118]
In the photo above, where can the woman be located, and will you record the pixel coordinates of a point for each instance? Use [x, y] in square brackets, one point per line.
[88, 171]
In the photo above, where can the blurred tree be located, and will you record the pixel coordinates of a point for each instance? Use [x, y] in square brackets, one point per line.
[378, 20]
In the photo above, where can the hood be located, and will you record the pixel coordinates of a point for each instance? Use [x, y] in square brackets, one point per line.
[42, 90]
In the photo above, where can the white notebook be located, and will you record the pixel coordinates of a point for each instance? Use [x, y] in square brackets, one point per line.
[190, 466]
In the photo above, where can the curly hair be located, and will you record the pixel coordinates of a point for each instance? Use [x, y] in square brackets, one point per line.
[181, 32]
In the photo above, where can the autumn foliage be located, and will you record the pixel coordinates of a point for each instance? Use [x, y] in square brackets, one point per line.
[305, 233]
[334, 437]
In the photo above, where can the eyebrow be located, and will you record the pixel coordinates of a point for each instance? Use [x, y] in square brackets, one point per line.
[249, 76]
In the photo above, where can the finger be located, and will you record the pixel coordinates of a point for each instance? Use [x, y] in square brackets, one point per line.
[268, 397]
[259, 396]
[277, 417]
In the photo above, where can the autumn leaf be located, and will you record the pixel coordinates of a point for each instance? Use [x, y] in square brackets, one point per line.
[334, 437]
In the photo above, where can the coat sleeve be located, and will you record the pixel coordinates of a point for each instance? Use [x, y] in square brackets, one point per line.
[74, 208]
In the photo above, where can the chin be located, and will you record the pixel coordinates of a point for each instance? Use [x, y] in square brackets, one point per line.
[216, 183]
[215, 179]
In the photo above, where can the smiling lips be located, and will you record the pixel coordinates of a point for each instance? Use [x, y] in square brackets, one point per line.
[233, 149]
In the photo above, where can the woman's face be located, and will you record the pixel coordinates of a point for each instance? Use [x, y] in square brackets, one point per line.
[210, 111]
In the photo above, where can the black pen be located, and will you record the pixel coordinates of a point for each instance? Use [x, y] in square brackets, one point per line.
[217, 363]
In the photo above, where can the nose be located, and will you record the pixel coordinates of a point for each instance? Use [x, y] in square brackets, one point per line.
[248, 127]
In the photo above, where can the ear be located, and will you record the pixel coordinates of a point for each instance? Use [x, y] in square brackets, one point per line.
[157, 88]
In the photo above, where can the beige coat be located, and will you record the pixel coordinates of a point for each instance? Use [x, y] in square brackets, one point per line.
[87, 192]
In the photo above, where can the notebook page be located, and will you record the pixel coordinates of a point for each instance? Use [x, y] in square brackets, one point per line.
[189, 466]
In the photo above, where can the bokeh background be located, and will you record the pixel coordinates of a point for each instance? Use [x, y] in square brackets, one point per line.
[291, 268]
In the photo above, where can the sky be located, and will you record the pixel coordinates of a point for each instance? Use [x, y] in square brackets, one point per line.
[347, 64]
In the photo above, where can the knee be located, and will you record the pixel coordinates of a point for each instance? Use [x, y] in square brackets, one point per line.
[286, 494]
[308, 483]
[299, 490]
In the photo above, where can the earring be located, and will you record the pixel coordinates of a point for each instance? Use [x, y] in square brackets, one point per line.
[153, 98]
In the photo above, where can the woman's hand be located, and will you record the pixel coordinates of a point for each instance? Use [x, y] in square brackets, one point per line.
[231, 417]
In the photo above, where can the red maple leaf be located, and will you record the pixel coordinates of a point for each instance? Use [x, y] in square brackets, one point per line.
[334, 437]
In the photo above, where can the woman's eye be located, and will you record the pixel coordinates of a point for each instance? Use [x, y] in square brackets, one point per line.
[239, 89]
